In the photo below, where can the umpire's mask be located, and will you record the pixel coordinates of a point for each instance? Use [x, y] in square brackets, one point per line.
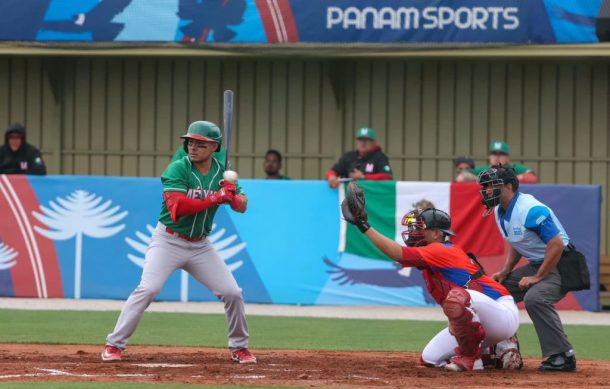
[492, 180]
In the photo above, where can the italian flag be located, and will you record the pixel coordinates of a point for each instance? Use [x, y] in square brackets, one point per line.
[388, 201]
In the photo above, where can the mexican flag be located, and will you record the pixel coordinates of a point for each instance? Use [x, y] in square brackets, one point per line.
[388, 201]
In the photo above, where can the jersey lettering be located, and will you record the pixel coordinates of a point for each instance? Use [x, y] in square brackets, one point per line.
[194, 193]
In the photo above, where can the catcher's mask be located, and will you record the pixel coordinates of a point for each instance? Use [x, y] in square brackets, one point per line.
[417, 221]
[492, 180]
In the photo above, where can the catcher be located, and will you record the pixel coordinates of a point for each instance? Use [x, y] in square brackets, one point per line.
[481, 312]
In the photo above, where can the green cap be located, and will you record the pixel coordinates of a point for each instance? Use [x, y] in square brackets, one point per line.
[203, 130]
[499, 147]
[366, 132]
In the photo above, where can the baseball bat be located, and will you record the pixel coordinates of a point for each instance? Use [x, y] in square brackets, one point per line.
[228, 123]
[227, 109]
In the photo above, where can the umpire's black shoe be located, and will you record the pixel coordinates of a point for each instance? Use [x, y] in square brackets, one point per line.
[559, 362]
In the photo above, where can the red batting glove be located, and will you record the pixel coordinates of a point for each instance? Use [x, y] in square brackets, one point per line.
[224, 196]
[228, 186]
[227, 192]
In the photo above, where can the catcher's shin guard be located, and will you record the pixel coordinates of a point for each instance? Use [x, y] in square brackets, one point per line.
[467, 330]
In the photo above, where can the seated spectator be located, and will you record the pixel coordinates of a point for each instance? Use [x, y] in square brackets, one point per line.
[19, 157]
[499, 154]
[367, 162]
[462, 164]
[273, 164]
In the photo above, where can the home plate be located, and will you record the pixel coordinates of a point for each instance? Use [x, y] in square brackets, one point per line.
[162, 365]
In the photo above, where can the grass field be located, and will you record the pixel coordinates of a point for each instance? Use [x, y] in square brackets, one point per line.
[182, 329]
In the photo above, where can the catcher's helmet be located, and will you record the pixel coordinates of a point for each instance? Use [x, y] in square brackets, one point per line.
[417, 221]
[495, 177]
[204, 131]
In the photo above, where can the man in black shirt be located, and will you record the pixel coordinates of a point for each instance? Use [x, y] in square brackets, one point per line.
[367, 162]
[19, 157]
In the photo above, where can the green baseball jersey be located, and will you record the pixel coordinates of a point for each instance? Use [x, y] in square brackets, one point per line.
[182, 176]
[519, 169]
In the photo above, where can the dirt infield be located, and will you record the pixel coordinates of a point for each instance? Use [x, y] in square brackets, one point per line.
[329, 369]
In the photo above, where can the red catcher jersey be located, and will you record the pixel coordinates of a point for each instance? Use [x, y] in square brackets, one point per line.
[446, 265]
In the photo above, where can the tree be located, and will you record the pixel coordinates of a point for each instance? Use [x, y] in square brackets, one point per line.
[77, 215]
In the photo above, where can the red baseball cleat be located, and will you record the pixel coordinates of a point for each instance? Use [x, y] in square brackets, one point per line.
[243, 356]
[464, 363]
[111, 353]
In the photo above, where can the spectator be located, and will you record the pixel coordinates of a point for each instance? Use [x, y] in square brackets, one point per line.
[499, 154]
[19, 157]
[273, 164]
[462, 164]
[367, 162]
[602, 22]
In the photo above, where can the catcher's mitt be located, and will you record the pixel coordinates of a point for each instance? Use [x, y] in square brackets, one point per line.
[352, 207]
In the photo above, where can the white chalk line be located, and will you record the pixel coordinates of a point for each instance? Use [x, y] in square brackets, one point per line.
[246, 377]
[54, 371]
[57, 372]
[154, 365]
[45, 372]
[132, 375]
[362, 377]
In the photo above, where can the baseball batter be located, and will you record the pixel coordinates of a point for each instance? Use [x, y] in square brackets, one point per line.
[480, 311]
[193, 189]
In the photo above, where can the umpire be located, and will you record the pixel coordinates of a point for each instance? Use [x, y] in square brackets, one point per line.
[534, 232]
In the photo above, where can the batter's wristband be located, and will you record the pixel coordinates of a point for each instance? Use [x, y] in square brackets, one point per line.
[237, 202]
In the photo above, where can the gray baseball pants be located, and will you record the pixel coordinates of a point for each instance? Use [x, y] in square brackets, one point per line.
[167, 253]
[540, 302]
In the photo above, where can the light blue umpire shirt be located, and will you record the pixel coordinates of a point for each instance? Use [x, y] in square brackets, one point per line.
[528, 225]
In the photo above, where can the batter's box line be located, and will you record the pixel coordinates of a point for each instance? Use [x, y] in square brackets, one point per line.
[155, 365]
[56, 372]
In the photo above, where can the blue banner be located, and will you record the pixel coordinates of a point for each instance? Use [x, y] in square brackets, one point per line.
[86, 237]
[307, 21]
[578, 208]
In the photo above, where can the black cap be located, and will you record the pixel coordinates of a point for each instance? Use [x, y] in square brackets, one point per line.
[464, 159]
[15, 128]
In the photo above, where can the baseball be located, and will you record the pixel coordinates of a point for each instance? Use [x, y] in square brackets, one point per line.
[230, 175]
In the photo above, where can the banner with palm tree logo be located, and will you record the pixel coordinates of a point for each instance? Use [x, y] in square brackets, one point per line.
[86, 237]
